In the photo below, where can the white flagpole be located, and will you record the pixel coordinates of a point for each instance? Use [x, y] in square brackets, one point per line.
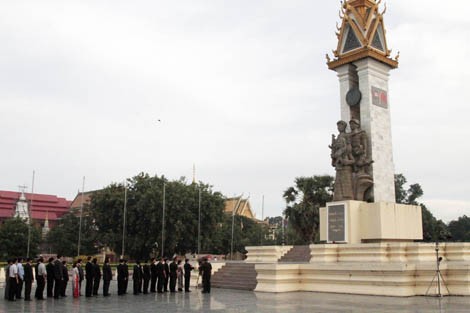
[30, 213]
[81, 217]
[124, 220]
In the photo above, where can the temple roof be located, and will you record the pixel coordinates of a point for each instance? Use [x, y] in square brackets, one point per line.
[362, 34]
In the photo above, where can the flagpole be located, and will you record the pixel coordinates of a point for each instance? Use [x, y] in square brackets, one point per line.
[233, 224]
[30, 213]
[199, 225]
[81, 217]
[163, 220]
[124, 219]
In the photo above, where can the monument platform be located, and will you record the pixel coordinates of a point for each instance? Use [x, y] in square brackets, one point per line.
[381, 269]
[362, 222]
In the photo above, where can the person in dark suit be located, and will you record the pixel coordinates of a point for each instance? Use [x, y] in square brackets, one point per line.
[89, 275]
[107, 277]
[160, 268]
[146, 277]
[81, 275]
[41, 274]
[206, 272]
[137, 278]
[187, 274]
[58, 277]
[121, 277]
[167, 274]
[153, 275]
[96, 276]
[28, 279]
[65, 281]
[173, 275]
[50, 277]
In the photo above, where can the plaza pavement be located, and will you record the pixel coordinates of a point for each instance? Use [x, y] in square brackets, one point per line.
[224, 300]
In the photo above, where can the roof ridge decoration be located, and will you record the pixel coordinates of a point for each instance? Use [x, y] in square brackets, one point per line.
[361, 34]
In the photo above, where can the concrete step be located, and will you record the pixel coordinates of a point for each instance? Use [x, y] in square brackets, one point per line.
[298, 254]
[241, 276]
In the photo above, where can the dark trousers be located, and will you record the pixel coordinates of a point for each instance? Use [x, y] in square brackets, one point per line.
[64, 288]
[165, 284]
[153, 283]
[161, 282]
[12, 289]
[187, 278]
[126, 283]
[137, 286]
[27, 290]
[41, 283]
[58, 288]
[121, 283]
[89, 288]
[172, 283]
[106, 287]
[50, 287]
[19, 288]
[206, 284]
[96, 286]
[146, 285]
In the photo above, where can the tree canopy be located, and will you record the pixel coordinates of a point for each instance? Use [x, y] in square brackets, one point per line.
[14, 239]
[303, 202]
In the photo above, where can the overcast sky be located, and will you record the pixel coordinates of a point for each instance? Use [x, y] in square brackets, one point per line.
[241, 88]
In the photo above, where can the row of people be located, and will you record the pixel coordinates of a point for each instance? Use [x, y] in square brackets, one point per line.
[157, 276]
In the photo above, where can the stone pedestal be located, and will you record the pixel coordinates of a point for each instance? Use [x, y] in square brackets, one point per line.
[364, 222]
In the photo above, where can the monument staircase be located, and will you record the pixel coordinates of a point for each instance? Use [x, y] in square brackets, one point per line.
[235, 275]
[298, 254]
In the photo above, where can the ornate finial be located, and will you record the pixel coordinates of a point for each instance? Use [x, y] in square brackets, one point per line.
[397, 56]
[385, 9]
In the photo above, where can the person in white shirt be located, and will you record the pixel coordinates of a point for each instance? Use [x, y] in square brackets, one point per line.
[40, 279]
[19, 288]
[13, 277]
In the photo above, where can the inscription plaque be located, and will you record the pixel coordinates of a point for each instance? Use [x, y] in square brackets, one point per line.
[337, 223]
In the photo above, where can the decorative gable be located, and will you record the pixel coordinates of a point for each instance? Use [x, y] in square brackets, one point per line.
[362, 34]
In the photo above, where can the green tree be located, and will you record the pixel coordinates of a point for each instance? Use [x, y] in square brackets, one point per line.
[145, 213]
[14, 239]
[303, 203]
[433, 229]
[63, 238]
[460, 229]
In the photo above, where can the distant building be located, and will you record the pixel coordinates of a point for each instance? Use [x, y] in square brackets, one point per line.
[45, 209]
[81, 199]
[242, 207]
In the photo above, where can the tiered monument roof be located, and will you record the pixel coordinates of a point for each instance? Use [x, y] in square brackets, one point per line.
[362, 34]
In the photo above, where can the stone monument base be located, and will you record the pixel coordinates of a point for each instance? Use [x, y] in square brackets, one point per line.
[362, 222]
[382, 269]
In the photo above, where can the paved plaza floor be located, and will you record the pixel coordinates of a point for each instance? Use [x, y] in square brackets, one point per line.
[224, 300]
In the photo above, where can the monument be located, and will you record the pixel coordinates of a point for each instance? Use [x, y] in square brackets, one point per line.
[364, 192]
[369, 242]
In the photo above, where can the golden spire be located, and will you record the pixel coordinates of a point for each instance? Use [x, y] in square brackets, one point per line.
[362, 34]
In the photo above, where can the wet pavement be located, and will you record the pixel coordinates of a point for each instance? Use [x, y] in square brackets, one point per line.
[225, 300]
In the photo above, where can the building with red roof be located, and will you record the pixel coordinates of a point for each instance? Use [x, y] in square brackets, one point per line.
[43, 207]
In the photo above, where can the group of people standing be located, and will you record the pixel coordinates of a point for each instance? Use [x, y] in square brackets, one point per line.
[154, 276]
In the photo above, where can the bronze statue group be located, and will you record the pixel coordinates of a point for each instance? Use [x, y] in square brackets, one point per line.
[156, 276]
